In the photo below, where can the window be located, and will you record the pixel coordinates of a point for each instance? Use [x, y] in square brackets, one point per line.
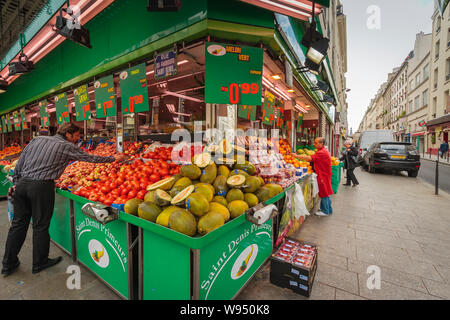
[411, 85]
[417, 79]
[438, 24]
[417, 103]
[448, 38]
[437, 48]
[447, 102]
[435, 78]
[447, 69]
[433, 111]
[425, 98]
[426, 72]
[410, 106]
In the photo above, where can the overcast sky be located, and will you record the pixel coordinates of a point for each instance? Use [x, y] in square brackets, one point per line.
[372, 53]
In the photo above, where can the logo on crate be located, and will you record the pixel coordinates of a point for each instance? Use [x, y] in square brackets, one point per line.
[216, 50]
[98, 253]
[244, 261]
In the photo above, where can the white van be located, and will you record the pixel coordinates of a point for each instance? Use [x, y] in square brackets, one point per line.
[368, 138]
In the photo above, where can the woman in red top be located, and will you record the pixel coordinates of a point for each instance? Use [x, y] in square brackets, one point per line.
[322, 167]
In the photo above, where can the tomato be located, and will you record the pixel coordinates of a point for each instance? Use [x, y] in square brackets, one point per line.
[124, 191]
[143, 185]
[141, 194]
[154, 178]
[164, 172]
[108, 202]
[132, 194]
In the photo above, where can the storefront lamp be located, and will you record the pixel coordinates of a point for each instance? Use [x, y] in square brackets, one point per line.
[276, 77]
[3, 85]
[318, 50]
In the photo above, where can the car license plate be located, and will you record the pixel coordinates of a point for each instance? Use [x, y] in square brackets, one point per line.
[398, 157]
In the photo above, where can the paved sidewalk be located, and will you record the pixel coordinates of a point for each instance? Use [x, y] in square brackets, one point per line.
[391, 221]
[433, 158]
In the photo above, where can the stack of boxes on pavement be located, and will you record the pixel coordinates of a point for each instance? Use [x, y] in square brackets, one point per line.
[294, 265]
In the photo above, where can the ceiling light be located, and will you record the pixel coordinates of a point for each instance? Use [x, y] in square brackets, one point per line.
[276, 77]
[75, 31]
[291, 90]
[163, 5]
[20, 67]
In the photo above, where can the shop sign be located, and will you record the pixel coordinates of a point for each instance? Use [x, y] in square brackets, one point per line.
[23, 116]
[247, 112]
[62, 108]
[16, 121]
[166, 65]
[230, 262]
[82, 108]
[104, 97]
[422, 123]
[300, 122]
[43, 111]
[133, 89]
[233, 74]
[103, 249]
[268, 108]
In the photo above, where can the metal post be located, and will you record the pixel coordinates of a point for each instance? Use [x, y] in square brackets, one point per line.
[436, 180]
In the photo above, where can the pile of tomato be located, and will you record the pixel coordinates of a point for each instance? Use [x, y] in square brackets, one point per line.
[159, 153]
[127, 181]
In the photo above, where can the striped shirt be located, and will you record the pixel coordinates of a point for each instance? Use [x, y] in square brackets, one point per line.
[46, 158]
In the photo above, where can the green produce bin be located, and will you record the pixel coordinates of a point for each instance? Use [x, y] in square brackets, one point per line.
[4, 183]
[336, 172]
[60, 229]
[212, 267]
[105, 249]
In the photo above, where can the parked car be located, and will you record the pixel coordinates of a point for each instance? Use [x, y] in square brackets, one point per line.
[397, 156]
[368, 138]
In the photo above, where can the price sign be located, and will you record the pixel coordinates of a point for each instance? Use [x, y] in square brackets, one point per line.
[280, 123]
[82, 108]
[62, 108]
[233, 74]
[268, 110]
[16, 121]
[4, 127]
[247, 112]
[165, 64]
[43, 111]
[8, 122]
[23, 116]
[133, 87]
[104, 97]
[300, 122]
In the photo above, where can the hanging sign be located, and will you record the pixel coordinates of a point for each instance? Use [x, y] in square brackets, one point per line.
[279, 107]
[8, 122]
[4, 127]
[43, 111]
[165, 65]
[233, 74]
[133, 88]
[247, 112]
[268, 111]
[16, 121]
[82, 108]
[104, 97]
[23, 116]
[300, 122]
[62, 108]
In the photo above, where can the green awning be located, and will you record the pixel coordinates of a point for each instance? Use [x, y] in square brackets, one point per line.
[442, 5]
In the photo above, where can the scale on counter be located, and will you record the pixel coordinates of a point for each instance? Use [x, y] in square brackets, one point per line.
[100, 212]
[260, 213]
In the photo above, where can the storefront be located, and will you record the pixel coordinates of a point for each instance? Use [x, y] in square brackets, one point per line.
[133, 92]
[438, 132]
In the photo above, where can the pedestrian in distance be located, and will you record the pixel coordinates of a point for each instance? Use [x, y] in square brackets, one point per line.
[443, 149]
[349, 157]
[42, 161]
[322, 166]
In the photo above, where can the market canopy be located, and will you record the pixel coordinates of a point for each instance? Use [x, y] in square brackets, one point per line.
[299, 9]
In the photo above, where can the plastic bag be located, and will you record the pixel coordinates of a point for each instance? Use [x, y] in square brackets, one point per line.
[299, 208]
[315, 185]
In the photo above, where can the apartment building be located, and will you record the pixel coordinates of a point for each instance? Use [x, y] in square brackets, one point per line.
[438, 124]
[418, 91]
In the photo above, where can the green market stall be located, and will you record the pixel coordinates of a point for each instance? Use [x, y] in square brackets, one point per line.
[5, 184]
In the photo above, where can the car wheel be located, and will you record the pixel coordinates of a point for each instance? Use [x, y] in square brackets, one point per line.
[413, 174]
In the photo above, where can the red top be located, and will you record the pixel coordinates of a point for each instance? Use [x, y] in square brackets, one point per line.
[322, 167]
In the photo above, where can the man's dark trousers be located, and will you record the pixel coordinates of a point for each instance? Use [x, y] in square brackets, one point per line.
[351, 177]
[32, 199]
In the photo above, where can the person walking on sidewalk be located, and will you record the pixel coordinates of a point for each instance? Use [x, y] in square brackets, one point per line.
[42, 161]
[322, 166]
[443, 148]
[349, 162]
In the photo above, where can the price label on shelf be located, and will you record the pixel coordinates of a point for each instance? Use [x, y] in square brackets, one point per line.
[133, 88]
[82, 108]
[233, 74]
[62, 108]
[105, 101]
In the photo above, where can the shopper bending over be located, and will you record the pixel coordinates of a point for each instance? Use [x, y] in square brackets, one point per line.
[42, 161]
[349, 163]
[322, 167]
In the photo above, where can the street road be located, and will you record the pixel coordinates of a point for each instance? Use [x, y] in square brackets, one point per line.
[427, 173]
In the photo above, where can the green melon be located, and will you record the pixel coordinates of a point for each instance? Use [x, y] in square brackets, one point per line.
[183, 221]
[234, 194]
[237, 207]
[191, 171]
[149, 211]
[131, 206]
[209, 222]
[179, 199]
[197, 204]
[164, 184]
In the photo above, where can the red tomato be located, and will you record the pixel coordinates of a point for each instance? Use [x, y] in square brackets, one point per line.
[164, 172]
[154, 178]
[132, 194]
[108, 202]
[141, 194]
[124, 191]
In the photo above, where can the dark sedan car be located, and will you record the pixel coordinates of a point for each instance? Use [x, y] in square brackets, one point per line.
[396, 156]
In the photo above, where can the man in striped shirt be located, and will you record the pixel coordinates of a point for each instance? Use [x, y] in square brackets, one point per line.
[42, 161]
